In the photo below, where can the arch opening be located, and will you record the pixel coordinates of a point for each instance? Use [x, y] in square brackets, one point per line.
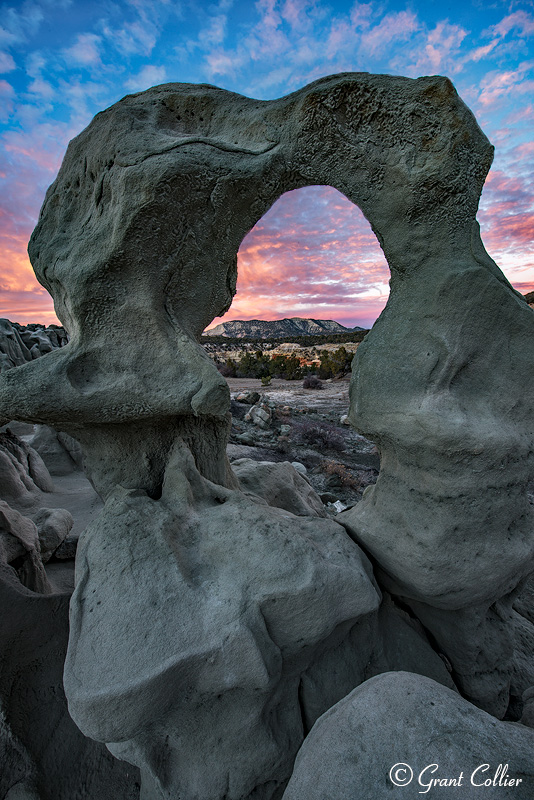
[311, 257]
[313, 254]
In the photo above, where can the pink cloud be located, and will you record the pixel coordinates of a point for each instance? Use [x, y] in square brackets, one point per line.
[85, 51]
[481, 52]
[498, 85]
[520, 21]
[397, 26]
[313, 254]
[6, 63]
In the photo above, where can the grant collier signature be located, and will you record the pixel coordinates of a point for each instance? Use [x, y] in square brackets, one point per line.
[483, 775]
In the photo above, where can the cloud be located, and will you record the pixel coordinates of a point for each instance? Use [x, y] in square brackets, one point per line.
[500, 84]
[312, 254]
[7, 63]
[149, 76]
[519, 21]
[24, 307]
[19, 24]
[141, 26]
[42, 89]
[7, 94]
[481, 52]
[85, 51]
[394, 27]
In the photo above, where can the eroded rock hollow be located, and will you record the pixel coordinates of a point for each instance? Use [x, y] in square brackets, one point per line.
[210, 630]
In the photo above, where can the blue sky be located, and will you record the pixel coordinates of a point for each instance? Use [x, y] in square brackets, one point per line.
[61, 62]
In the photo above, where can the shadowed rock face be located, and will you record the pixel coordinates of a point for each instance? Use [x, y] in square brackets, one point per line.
[137, 243]
[378, 737]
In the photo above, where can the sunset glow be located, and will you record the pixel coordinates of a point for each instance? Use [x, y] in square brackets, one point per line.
[313, 254]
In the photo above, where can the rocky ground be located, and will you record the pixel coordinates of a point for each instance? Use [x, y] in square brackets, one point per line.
[308, 427]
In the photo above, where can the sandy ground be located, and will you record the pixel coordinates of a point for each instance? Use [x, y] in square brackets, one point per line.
[334, 396]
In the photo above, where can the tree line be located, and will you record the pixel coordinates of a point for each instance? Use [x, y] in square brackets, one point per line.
[332, 364]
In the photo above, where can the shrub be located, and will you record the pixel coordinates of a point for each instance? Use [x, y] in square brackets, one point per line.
[335, 363]
[318, 434]
[266, 380]
[228, 369]
[312, 382]
[347, 480]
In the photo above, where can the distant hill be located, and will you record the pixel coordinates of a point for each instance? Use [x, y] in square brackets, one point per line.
[277, 329]
[529, 298]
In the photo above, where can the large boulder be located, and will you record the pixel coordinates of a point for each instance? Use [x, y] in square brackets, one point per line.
[242, 599]
[402, 735]
[280, 485]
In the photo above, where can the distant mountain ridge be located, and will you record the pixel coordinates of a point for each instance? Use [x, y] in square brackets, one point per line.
[276, 329]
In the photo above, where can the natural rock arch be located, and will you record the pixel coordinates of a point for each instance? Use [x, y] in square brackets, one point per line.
[137, 242]
[282, 273]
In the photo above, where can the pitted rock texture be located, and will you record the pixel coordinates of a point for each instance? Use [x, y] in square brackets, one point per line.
[242, 599]
[280, 485]
[137, 243]
[404, 728]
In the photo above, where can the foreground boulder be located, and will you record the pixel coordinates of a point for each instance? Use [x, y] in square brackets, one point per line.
[401, 735]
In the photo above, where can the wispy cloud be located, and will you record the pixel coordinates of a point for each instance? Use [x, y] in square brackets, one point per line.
[519, 21]
[85, 51]
[17, 24]
[148, 76]
[7, 94]
[7, 64]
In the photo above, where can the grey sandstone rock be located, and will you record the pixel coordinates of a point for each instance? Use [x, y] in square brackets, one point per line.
[280, 485]
[19, 545]
[60, 452]
[53, 526]
[270, 592]
[209, 630]
[400, 726]
[43, 755]
[260, 414]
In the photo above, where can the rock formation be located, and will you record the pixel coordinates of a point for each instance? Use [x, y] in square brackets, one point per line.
[209, 629]
[22, 343]
[43, 755]
[423, 738]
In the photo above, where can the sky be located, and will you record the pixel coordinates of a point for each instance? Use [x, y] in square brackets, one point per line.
[313, 254]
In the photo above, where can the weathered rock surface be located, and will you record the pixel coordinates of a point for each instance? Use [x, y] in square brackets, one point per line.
[43, 755]
[53, 527]
[260, 414]
[270, 592]
[20, 549]
[280, 485]
[405, 728]
[209, 630]
[23, 474]
[60, 452]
